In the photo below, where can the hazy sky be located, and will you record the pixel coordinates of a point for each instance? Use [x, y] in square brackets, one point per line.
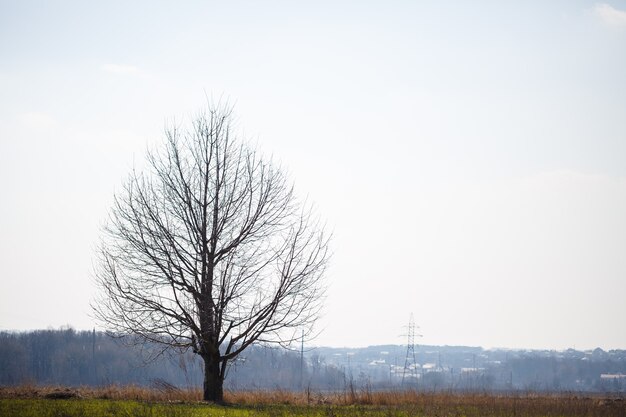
[469, 156]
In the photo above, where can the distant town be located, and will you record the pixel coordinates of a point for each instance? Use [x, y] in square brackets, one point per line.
[477, 369]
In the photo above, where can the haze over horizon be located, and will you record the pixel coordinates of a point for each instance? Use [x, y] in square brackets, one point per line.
[470, 158]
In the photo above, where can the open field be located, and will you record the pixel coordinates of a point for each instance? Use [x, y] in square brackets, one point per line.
[136, 401]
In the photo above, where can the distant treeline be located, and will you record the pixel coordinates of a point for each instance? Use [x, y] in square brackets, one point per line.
[73, 358]
[70, 357]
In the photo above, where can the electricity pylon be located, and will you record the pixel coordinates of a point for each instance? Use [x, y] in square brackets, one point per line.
[410, 364]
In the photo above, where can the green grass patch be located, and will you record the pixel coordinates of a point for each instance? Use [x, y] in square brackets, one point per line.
[117, 408]
[39, 407]
[105, 408]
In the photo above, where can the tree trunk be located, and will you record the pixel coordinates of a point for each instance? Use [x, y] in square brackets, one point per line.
[213, 381]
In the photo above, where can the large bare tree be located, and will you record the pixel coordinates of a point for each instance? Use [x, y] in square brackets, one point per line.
[209, 249]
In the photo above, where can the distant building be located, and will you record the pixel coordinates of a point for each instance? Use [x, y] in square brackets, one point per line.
[612, 376]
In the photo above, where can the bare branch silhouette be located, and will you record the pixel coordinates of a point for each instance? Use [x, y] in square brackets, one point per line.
[210, 250]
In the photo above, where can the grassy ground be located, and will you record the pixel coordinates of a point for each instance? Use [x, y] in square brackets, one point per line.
[134, 401]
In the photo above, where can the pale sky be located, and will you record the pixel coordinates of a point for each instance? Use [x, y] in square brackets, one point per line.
[470, 157]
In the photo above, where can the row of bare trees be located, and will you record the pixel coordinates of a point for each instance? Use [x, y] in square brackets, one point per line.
[84, 358]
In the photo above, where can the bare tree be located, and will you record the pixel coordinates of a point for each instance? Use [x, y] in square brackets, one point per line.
[209, 249]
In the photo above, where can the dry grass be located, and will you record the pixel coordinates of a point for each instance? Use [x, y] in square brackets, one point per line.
[420, 402]
[109, 392]
[442, 403]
